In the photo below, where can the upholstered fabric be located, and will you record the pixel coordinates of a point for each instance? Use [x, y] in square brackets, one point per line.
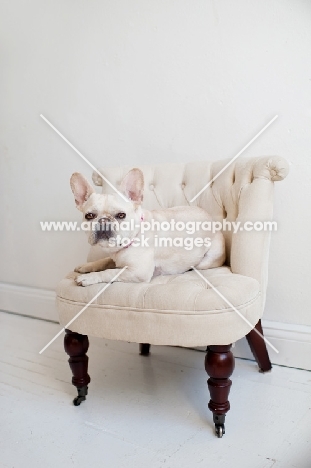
[243, 192]
[182, 309]
[170, 310]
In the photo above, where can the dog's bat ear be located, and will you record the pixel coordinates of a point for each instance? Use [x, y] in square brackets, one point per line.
[133, 185]
[80, 188]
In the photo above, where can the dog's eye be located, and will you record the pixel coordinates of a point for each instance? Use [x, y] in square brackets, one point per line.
[90, 216]
[120, 215]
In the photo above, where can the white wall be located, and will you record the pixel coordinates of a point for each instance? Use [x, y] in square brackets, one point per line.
[132, 81]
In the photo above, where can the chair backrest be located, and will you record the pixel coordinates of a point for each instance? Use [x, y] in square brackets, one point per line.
[242, 192]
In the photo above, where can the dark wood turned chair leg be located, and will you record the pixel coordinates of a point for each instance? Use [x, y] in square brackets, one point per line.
[219, 364]
[76, 346]
[144, 349]
[259, 349]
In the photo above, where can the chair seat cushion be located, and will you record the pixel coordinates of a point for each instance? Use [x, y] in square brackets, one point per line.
[179, 310]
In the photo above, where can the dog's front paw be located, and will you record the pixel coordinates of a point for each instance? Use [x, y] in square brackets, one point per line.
[88, 279]
[84, 268]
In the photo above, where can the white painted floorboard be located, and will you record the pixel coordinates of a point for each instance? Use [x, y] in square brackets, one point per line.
[142, 411]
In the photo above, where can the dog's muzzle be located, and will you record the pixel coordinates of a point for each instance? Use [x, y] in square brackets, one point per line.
[103, 229]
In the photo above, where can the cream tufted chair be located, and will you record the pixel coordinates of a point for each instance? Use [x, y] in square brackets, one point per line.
[182, 310]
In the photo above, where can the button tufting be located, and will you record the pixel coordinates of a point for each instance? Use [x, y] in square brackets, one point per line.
[151, 186]
[183, 185]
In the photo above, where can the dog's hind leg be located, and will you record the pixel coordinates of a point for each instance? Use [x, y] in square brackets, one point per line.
[216, 255]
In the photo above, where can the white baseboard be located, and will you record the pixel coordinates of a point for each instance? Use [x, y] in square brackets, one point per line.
[291, 340]
[33, 302]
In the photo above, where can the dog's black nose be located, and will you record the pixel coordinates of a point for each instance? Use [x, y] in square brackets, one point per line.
[104, 228]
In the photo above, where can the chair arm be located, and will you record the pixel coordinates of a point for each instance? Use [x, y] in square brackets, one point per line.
[250, 249]
[273, 168]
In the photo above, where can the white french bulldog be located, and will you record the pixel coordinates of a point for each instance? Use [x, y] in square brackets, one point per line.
[122, 229]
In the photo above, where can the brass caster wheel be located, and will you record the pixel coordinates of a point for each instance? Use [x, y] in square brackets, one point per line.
[78, 400]
[82, 392]
[220, 431]
[219, 421]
